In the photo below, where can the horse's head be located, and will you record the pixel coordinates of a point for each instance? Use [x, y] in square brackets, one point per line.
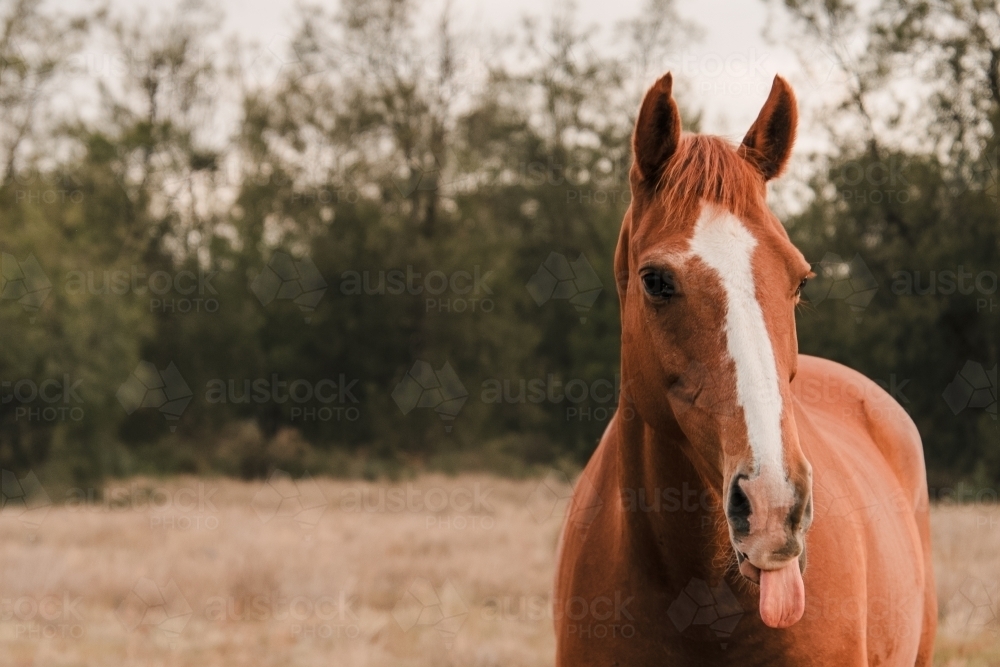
[708, 282]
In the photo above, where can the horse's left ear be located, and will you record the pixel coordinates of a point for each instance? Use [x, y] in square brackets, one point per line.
[657, 130]
[768, 144]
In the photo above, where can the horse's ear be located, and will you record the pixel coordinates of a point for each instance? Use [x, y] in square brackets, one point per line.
[657, 130]
[768, 144]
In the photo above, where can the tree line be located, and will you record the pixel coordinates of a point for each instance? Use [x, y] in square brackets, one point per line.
[388, 246]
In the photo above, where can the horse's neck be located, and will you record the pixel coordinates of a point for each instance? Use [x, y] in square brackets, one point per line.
[670, 504]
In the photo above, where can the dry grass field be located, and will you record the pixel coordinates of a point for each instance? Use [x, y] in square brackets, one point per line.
[437, 571]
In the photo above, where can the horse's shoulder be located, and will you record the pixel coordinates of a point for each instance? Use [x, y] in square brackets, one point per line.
[826, 369]
[854, 400]
[845, 391]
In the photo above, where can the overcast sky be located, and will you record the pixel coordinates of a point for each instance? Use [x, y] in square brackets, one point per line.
[728, 69]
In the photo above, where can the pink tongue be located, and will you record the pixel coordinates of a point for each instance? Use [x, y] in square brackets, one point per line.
[782, 596]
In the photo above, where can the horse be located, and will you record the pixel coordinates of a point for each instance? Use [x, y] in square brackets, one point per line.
[747, 504]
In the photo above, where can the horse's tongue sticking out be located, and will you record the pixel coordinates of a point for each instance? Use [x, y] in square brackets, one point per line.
[782, 596]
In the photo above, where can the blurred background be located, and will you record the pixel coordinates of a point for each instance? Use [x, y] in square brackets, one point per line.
[369, 243]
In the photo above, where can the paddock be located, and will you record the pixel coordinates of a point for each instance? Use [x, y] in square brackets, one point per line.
[256, 583]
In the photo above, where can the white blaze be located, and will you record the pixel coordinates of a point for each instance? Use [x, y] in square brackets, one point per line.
[723, 243]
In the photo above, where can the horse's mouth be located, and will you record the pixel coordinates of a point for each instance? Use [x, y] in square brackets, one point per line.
[748, 569]
[752, 573]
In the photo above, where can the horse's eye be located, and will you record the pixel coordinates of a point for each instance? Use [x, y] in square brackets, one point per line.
[659, 284]
[802, 286]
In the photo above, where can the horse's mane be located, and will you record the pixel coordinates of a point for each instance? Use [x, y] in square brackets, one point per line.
[706, 167]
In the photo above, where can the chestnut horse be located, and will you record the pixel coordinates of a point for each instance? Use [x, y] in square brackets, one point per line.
[732, 457]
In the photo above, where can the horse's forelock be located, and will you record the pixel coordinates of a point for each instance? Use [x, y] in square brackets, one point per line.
[708, 168]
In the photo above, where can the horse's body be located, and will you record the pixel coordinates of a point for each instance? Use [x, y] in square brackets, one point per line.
[648, 573]
[869, 592]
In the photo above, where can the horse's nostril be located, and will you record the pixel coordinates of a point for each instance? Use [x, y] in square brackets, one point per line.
[738, 509]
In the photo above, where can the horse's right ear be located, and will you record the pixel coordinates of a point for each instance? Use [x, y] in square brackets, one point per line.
[657, 130]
